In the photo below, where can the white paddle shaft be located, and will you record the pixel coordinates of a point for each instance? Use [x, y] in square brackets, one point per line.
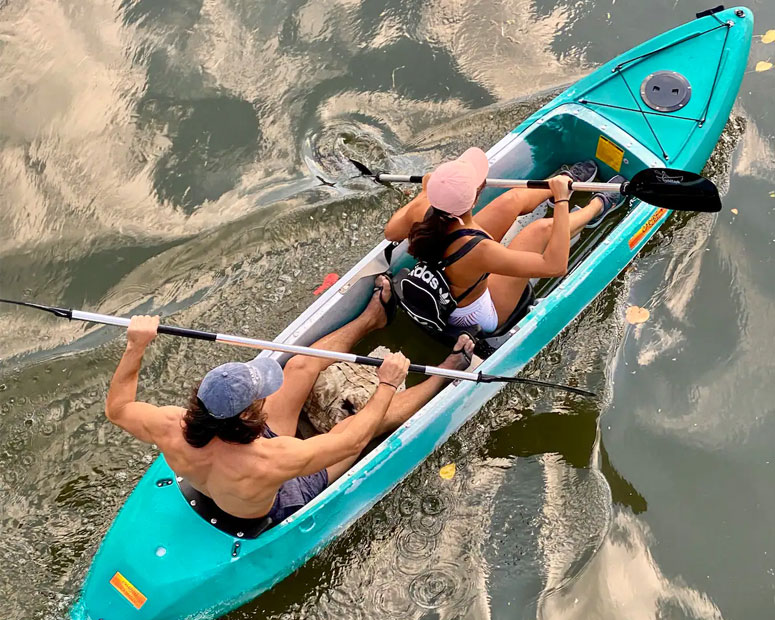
[255, 343]
[575, 185]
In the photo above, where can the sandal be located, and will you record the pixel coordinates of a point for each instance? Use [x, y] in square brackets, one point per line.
[466, 356]
[391, 305]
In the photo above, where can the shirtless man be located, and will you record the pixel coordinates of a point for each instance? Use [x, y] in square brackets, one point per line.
[235, 442]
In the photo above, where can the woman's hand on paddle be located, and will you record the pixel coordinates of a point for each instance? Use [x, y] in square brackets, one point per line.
[393, 369]
[425, 179]
[559, 187]
[141, 330]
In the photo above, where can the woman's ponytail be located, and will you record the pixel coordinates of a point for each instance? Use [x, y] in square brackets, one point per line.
[427, 238]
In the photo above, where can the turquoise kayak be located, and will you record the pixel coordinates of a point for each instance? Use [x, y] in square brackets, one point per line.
[662, 104]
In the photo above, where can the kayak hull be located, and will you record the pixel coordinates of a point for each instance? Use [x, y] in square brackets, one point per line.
[161, 560]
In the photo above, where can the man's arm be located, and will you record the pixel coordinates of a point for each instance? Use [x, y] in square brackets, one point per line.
[350, 436]
[398, 227]
[139, 419]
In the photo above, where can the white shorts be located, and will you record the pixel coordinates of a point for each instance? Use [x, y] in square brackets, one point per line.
[481, 312]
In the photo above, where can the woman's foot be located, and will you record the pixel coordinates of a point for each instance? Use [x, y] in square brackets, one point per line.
[462, 354]
[611, 202]
[382, 306]
[581, 172]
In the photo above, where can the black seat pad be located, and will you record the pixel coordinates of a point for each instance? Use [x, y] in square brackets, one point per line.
[206, 508]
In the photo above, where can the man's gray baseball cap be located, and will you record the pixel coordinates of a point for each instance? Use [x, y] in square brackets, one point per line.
[228, 390]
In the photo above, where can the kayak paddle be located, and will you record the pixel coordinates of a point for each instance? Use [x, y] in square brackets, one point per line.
[677, 190]
[240, 341]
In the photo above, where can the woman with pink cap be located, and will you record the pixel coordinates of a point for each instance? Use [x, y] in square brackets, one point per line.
[487, 279]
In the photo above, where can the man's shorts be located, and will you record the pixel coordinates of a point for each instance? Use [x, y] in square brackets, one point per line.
[296, 492]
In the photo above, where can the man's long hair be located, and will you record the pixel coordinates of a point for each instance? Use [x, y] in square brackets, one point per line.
[200, 427]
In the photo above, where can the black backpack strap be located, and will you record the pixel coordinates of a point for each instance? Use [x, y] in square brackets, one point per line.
[461, 252]
[465, 232]
[478, 237]
[471, 288]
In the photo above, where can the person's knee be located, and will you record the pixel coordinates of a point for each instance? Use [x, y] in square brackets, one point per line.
[301, 364]
[541, 228]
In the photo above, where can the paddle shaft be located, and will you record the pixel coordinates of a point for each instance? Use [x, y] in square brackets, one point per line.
[668, 188]
[574, 185]
[255, 343]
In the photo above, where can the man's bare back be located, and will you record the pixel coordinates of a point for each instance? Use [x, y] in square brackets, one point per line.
[242, 479]
[248, 474]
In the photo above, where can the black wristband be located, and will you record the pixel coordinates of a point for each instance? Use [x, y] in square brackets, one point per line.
[562, 200]
[395, 387]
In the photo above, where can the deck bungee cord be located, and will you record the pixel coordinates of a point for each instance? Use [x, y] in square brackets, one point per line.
[618, 69]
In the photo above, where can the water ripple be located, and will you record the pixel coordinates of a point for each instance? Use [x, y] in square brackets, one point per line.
[441, 586]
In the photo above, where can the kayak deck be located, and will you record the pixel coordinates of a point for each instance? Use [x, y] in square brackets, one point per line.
[160, 560]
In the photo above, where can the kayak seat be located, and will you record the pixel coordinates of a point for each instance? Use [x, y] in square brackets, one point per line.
[206, 508]
[493, 341]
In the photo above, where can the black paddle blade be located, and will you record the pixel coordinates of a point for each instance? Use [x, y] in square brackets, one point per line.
[362, 168]
[678, 190]
[523, 381]
[64, 313]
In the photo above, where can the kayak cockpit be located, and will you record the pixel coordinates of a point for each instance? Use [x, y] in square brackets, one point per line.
[575, 133]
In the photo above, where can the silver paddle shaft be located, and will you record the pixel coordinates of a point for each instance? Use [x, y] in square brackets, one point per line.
[511, 183]
[578, 186]
[255, 343]
[268, 345]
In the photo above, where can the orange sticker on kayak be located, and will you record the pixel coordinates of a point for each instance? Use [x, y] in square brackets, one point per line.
[128, 591]
[643, 231]
[609, 153]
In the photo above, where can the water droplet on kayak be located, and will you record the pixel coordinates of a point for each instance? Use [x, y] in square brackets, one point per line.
[161, 552]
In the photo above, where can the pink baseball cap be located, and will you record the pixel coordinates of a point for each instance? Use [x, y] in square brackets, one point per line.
[452, 187]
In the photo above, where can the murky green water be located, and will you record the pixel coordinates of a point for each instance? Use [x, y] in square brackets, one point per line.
[163, 156]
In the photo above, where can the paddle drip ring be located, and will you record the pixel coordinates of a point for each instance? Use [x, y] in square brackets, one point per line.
[665, 91]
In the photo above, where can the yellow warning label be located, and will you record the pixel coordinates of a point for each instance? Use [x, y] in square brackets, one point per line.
[127, 590]
[609, 153]
[643, 230]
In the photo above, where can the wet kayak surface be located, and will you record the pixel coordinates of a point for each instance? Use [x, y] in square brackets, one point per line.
[166, 158]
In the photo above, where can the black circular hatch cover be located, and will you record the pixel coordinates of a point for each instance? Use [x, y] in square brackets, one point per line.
[666, 91]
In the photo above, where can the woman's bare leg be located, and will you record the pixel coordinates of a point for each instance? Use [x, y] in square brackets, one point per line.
[498, 215]
[506, 291]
